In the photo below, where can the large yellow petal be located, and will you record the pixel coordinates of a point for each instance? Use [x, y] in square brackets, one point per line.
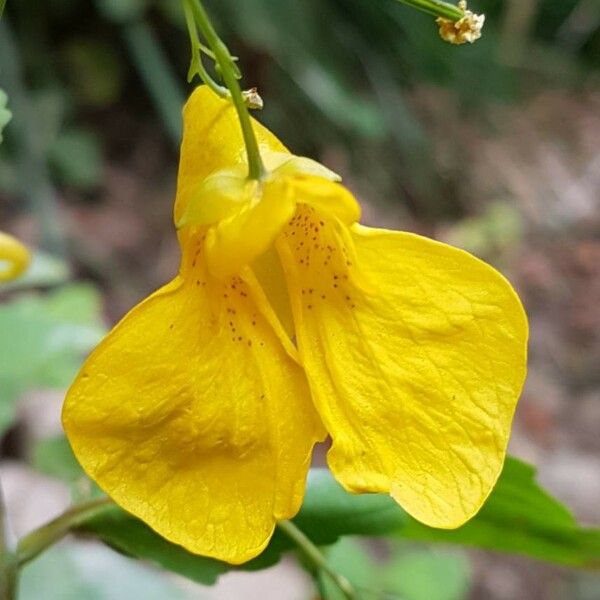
[415, 353]
[212, 140]
[192, 415]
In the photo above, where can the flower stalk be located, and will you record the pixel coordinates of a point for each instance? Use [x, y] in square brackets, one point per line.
[8, 564]
[316, 558]
[230, 74]
[34, 543]
[196, 65]
[437, 8]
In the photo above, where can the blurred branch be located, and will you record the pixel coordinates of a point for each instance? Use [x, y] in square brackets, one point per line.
[8, 567]
[516, 28]
[45, 536]
[196, 64]
[230, 75]
[581, 24]
[157, 74]
[314, 556]
[34, 179]
[2, 5]
[436, 8]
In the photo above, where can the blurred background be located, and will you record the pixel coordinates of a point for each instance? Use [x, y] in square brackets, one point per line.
[493, 147]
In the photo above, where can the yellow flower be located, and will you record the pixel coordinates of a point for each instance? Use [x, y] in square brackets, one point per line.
[14, 257]
[288, 320]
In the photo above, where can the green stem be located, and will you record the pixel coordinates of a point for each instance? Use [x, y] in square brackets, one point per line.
[436, 8]
[2, 5]
[229, 71]
[197, 66]
[316, 558]
[45, 536]
[31, 155]
[8, 563]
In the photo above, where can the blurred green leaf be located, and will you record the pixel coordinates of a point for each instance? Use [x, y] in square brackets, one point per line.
[5, 114]
[77, 303]
[427, 575]
[95, 71]
[122, 11]
[350, 558]
[76, 158]
[402, 572]
[520, 517]
[500, 226]
[55, 576]
[54, 457]
[49, 106]
[43, 340]
[87, 572]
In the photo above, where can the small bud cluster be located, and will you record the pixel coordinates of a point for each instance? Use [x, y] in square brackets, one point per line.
[466, 29]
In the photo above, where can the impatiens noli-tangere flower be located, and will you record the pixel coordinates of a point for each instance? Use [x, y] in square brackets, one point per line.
[288, 322]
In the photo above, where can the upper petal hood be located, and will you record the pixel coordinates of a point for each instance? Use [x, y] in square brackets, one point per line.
[212, 141]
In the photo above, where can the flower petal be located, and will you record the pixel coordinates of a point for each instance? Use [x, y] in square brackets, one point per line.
[238, 240]
[212, 140]
[193, 417]
[417, 374]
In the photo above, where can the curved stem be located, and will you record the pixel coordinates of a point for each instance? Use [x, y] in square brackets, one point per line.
[8, 564]
[197, 66]
[316, 558]
[436, 8]
[45, 536]
[229, 72]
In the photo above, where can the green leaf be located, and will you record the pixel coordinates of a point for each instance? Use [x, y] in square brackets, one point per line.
[54, 457]
[95, 71]
[520, 517]
[350, 558]
[403, 572]
[88, 572]
[328, 513]
[5, 114]
[76, 158]
[122, 11]
[427, 575]
[43, 340]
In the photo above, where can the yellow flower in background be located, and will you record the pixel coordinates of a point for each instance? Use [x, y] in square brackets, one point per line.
[14, 257]
[289, 321]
